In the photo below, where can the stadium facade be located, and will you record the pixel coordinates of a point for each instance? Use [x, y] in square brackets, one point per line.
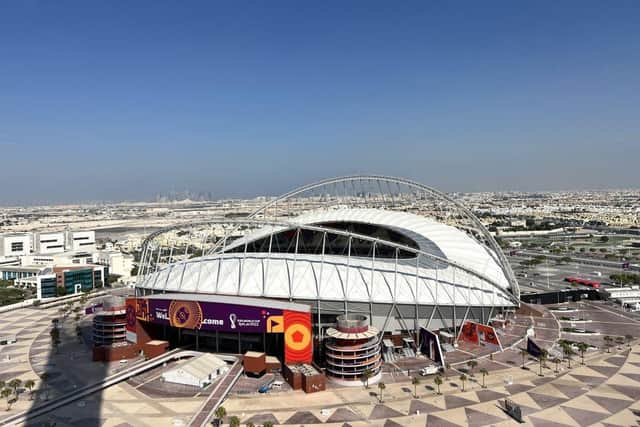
[400, 253]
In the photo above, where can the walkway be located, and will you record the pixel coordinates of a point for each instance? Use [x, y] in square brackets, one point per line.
[218, 394]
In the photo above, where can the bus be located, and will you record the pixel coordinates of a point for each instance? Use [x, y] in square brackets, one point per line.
[586, 282]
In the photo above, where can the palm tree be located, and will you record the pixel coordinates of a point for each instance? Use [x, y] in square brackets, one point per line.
[629, 338]
[6, 394]
[523, 353]
[234, 421]
[415, 381]
[472, 364]
[582, 347]
[557, 361]
[366, 374]
[220, 413]
[463, 378]
[541, 359]
[29, 384]
[438, 382]
[484, 373]
[381, 387]
[568, 353]
[15, 384]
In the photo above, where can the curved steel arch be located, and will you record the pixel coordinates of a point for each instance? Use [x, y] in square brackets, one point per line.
[285, 225]
[502, 260]
[493, 245]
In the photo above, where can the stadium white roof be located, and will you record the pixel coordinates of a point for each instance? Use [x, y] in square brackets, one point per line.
[451, 267]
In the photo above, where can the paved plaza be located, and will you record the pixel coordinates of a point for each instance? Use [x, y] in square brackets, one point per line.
[603, 392]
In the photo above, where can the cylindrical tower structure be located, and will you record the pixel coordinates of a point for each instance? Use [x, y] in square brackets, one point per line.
[351, 349]
[110, 322]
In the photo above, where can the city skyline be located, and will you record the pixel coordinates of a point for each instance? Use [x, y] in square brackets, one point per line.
[100, 103]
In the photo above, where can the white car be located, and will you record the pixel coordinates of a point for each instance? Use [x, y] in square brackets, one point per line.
[429, 370]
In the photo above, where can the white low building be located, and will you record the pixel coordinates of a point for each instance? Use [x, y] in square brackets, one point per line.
[118, 262]
[198, 371]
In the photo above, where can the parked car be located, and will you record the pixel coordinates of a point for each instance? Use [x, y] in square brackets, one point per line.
[429, 370]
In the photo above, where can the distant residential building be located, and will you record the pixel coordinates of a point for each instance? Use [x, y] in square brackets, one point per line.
[80, 240]
[49, 243]
[47, 280]
[12, 272]
[80, 278]
[45, 284]
[14, 245]
[63, 258]
[119, 263]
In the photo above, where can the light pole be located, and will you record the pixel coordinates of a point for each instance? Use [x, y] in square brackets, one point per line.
[546, 263]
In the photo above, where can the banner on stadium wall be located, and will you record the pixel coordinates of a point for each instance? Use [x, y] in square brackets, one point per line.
[480, 334]
[297, 337]
[430, 346]
[210, 316]
[223, 317]
[131, 330]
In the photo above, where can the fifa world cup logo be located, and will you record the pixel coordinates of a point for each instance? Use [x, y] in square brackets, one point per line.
[232, 320]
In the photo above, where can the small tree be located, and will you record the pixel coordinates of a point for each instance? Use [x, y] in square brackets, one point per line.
[366, 374]
[234, 421]
[15, 384]
[6, 394]
[607, 343]
[220, 413]
[628, 338]
[29, 384]
[472, 364]
[250, 424]
[447, 366]
[569, 353]
[557, 361]
[463, 378]
[582, 347]
[438, 382]
[541, 359]
[381, 387]
[415, 381]
[523, 353]
[267, 424]
[484, 373]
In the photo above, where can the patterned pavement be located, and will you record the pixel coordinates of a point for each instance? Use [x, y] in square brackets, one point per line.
[604, 392]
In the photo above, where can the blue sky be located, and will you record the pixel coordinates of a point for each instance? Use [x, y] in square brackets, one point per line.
[122, 100]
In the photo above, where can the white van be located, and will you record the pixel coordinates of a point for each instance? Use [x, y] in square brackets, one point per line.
[429, 370]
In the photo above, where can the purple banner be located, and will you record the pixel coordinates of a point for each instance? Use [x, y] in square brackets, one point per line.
[210, 316]
[92, 309]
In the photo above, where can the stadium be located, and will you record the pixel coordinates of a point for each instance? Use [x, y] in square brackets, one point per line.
[397, 253]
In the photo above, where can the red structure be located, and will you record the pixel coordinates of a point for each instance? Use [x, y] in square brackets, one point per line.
[352, 348]
[586, 282]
